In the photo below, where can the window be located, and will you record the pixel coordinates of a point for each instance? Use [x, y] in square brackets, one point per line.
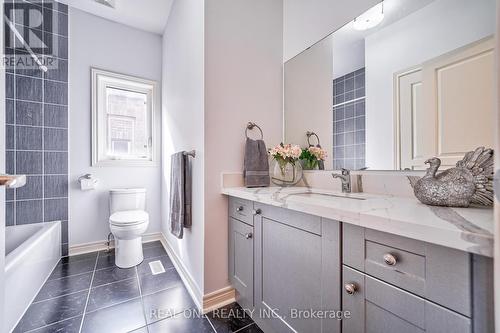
[123, 112]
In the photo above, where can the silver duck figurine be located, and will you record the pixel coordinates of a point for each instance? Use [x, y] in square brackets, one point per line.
[470, 182]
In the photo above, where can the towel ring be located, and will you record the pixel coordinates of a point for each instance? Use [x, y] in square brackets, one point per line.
[309, 134]
[251, 126]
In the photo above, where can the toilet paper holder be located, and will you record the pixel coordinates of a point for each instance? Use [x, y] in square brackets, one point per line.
[86, 176]
[87, 182]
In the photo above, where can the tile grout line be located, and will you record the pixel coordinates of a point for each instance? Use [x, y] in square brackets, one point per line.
[88, 295]
[140, 294]
[107, 284]
[210, 322]
[15, 134]
[33, 101]
[43, 126]
[60, 296]
[244, 327]
[42, 77]
[115, 304]
[69, 276]
[56, 322]
[43, 152]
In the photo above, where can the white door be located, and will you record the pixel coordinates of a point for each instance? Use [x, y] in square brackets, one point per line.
[446, 107]
[413, 145]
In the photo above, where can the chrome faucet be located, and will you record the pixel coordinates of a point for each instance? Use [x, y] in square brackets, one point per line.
[345, 178]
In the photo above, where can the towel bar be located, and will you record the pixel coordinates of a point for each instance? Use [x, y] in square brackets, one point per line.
[191, 153]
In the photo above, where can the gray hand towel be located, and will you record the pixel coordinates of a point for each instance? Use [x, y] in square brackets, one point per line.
[256, 164]
[180, 194]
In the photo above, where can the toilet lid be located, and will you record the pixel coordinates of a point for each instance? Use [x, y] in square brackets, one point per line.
[129, 217]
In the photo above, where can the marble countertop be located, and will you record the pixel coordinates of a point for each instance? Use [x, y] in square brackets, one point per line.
[466, 229]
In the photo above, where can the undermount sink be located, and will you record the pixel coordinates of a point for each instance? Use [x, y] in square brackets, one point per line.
[354, 196]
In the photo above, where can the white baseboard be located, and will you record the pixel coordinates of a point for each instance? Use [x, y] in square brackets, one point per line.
[101, 245]
[88, 248]
[186, 277]
[218, 299]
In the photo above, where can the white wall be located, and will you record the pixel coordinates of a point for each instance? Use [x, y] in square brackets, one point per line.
[96, 42]
[309, 98]
[449, 24]
[183, 124]
[243, 82]
[305, 22]
[348, 58]
[222, 68]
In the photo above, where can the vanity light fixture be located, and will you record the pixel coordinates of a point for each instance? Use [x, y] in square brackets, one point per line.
[370, 19]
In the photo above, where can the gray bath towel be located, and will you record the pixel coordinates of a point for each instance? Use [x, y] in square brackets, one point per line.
[180, 194]
[256, 164]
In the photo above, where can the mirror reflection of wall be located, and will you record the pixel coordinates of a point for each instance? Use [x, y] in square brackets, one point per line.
[405, 81]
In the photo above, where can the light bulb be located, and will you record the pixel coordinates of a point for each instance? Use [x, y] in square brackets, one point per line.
[369, 19]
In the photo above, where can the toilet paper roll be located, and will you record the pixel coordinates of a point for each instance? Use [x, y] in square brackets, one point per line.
[87, 184]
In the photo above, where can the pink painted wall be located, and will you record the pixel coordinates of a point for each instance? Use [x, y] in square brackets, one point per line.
[243, 82]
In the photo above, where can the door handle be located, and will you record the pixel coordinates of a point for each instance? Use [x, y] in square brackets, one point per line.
[12, 181]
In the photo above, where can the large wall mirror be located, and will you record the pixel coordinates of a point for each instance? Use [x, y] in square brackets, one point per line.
[404, 81]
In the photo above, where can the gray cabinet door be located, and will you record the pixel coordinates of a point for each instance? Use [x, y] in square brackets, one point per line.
[295, 269]
[378, 307]
[241, 261]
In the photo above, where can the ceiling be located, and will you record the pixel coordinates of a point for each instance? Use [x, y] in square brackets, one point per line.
[349, 44]
[149, 15]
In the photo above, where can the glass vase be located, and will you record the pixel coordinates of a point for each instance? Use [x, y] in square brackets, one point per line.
[309, 165]
[285, 173]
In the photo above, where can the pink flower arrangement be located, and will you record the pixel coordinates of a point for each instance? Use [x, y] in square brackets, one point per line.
[311, 157]
[319, 153]
[288, 152]
[285, 156]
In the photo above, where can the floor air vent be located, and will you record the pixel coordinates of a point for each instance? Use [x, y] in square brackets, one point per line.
[156, 267]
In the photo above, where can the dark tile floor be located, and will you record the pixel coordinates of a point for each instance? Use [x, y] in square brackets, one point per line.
[88, 293]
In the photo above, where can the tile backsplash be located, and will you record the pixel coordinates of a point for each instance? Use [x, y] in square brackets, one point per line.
[37, 120]
[349, 121]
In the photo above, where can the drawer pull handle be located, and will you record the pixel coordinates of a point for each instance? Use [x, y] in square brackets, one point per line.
[239, 209]
[257, 212]
[249, 235]
[390, 259]
[350, 288]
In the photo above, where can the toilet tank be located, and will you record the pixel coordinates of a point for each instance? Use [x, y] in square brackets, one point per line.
[121, 199]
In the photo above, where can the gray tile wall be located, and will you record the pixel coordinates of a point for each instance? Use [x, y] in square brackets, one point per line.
[349, 121]
[37, 125]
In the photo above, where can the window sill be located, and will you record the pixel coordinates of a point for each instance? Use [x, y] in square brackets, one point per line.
[125, 163]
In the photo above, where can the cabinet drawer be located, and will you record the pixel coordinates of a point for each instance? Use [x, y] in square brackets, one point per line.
[299, 220]
[241, 209]
[377, 307]
[436, 273]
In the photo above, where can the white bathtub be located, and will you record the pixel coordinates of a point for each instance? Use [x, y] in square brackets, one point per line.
[32, 251]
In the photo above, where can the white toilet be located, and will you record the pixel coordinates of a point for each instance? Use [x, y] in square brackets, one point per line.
[128, 221]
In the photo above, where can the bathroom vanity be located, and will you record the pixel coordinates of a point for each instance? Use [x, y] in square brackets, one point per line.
[298, 257]
[379, 93]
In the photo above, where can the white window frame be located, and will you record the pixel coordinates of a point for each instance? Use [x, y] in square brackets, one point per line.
[101, 80]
